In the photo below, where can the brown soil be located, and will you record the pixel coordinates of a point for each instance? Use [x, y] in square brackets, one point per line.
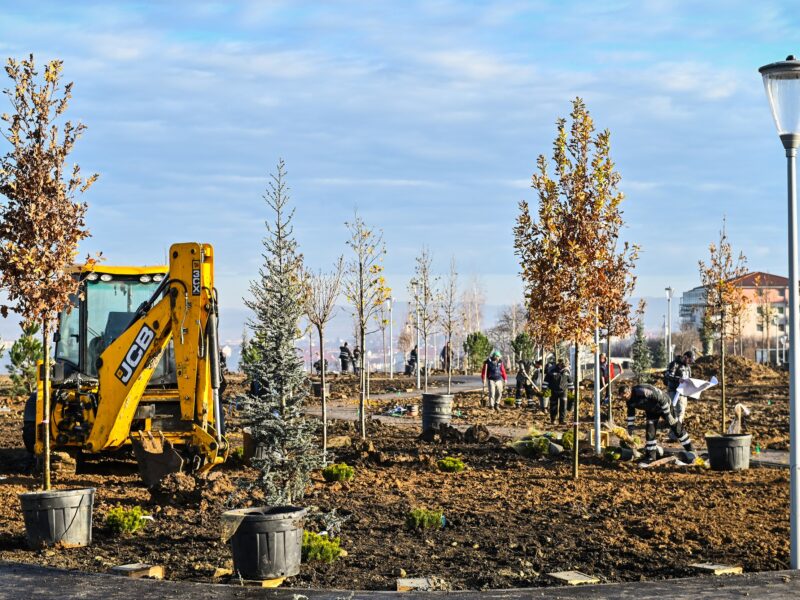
[510, 520]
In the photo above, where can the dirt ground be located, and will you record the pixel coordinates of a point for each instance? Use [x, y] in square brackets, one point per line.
[510, 520]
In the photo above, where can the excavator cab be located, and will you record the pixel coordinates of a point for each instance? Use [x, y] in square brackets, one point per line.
[105, 307]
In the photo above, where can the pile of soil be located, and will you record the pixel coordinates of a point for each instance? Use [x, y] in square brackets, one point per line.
[510, 520]
[738, 369]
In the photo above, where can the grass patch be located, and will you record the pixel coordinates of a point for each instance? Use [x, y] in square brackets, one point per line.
[451, 464]
[338, 472]
[125, 521]
[422, 518]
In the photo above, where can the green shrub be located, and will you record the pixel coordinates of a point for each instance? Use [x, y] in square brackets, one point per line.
[320, 547]
[125, 520]
[238, 453]
[547, 393]
[509, 401]
[451, 464]
[338, 472]
[568, 439]
[422, 518]
[532, 446]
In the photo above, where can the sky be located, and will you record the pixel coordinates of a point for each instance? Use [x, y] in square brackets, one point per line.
[426, 117]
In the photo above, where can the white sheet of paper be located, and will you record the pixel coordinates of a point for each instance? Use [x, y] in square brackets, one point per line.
[692, 388]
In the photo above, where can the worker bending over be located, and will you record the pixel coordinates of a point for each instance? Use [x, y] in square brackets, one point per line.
[656, 405]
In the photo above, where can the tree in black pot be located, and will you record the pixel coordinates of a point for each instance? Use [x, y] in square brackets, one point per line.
[283, 436]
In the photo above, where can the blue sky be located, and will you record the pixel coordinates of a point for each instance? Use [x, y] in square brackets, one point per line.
[426, 116]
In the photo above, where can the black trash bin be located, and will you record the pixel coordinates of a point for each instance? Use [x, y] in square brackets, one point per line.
[437, 409]
[729, 452]
[61, 517]
[266, 542]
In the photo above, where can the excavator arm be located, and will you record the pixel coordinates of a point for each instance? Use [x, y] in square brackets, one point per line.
[183, 310]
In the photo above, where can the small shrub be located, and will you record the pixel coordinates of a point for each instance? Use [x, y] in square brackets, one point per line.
[238, 453]
[509, 401]
[532, 446]
[451, 464]
[547, 393]
[568, 439]
[124, 521]
[422, 518]
[320, 547]
[338, 472]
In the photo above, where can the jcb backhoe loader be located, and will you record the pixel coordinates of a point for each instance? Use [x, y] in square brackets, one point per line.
[137, 363]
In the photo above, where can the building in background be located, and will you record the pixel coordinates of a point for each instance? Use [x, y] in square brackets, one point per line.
[762, 331]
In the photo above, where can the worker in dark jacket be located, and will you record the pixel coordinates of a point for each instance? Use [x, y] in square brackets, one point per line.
[677, 370]
[656, 405]
[525, 372]
[494, 374]
[345, 357]
[559, 383]
[538, 387]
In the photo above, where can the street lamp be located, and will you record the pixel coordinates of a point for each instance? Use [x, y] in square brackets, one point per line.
[390, 301]
[782, 84]
[669, 290]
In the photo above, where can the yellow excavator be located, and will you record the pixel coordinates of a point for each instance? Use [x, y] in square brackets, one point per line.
[137, 363]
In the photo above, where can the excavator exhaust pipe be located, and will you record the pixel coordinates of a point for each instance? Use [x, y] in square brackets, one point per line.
[156, 457]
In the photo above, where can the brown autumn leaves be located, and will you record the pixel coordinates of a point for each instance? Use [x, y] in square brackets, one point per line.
[573, 263]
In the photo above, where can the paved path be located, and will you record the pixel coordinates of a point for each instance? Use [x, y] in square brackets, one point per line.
[39, 583]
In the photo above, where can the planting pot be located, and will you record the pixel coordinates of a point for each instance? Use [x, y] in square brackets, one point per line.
[413, 410]
[266, 542]
[729, 452]
[58, 517]
[316, 389]
[437, 409]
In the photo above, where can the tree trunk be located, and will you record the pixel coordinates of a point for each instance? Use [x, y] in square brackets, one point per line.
[722, 372]
[577, 403]
[610, 377]
[449, 359]
[46, 405]
[324, 397]
[383, 333]
[362, 388]
[425, 354]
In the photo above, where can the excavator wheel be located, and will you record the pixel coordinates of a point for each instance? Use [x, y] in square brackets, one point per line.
[156, 456]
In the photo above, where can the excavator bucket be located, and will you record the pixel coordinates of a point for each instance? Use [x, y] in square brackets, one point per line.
[157, 458]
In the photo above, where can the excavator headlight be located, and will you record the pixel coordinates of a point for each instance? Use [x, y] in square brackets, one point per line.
[145, 279]
[158, 278]
[92, 276]
[105, 277]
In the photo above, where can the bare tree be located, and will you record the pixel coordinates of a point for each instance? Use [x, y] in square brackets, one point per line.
[424, 288]
[320, 305]
[41, 222]
[473, 299]
[365, 288]
[450, 317]
[725, 300]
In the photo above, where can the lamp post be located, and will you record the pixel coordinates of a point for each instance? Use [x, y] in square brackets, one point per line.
[669, 290]
[416, 310]
[782, 84]
[391, 334]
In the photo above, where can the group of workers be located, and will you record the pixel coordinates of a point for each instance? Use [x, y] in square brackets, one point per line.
[533, 379]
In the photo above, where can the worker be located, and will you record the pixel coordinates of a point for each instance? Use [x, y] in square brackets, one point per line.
[494, 372]
[605, 379]
[677, 370]
[345, 357]
[559, 384]
[447, 357]
[524, 382]
[413, 359]
[356, 360]
[538, 387]
[318, 366]
[656, 405]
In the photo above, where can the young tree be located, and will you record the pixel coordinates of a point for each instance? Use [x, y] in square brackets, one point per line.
[405, 340]
[725, 300]
[323, 290]
[477, 346]
[449, 316]
[658, 353]
[23, 356]
[366, 289]
[473, 300]
[424, 288]
[569, 259]
[640, 351]
[41, 223]
[274, 408]
[523, 346]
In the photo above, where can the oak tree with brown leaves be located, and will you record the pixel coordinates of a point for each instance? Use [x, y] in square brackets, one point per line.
[725, 301]
[571, 261]
[41, 223]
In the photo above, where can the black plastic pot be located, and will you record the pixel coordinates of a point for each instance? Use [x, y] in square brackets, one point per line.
[730, 452]
[61, 517]
[266, 542]
[316, 389]
[437, 409]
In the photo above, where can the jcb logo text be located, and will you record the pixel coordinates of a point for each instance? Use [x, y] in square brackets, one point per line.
[135, 354]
